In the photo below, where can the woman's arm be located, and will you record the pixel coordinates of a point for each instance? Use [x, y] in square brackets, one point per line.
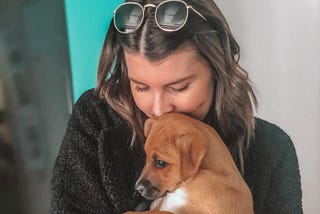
[76, 181]
[285, 187]
[272, 171]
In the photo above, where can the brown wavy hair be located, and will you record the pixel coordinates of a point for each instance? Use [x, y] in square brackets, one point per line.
[232, 111]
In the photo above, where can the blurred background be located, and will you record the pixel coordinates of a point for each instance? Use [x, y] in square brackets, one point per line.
[49, 51]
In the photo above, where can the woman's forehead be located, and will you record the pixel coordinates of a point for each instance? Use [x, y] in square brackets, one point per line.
[176, 66]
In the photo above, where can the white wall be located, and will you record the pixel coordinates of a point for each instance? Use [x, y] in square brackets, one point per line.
[280, 45]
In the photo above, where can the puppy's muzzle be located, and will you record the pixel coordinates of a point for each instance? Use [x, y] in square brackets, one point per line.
[146, 189]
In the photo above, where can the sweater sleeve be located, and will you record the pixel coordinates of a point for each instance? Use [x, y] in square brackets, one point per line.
[76, 182]
[285, 187]
[273, 171]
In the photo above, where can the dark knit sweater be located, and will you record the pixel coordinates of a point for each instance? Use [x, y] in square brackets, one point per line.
[95, 170]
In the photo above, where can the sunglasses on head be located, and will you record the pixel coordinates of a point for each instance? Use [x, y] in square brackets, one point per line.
[170, 15]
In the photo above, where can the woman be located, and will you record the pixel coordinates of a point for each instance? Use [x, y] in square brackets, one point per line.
[159, 57]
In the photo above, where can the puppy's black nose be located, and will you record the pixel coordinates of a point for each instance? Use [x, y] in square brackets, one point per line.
[146, 189]
[139, 188]
[142, 185]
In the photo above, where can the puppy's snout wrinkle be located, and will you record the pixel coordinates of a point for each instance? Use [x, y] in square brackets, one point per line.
[146, 189]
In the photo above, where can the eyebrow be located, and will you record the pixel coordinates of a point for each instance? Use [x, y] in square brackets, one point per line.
[171, 83]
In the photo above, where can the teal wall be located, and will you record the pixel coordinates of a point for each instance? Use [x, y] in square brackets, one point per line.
[87, 24]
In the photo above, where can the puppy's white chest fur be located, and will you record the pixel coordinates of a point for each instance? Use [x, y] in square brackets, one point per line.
[172, 201]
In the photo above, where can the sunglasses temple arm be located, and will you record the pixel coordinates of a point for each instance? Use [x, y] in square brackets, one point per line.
[197, 12]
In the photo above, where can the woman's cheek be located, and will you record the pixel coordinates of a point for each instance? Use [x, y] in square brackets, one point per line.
[142, 100]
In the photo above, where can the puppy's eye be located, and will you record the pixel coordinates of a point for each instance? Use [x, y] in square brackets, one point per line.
[159, 163]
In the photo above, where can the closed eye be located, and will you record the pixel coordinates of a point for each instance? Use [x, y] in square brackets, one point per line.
[141, 88]
[181, 89]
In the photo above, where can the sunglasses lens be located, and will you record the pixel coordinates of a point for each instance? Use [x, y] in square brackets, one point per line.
[128, 17]
[172, 15]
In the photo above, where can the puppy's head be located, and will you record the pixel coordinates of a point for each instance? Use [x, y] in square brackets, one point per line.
[174, 149]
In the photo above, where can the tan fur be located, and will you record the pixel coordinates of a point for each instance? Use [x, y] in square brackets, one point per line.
[198, 162]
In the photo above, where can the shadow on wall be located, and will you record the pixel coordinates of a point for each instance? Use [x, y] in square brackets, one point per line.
[10, 188]
[35, 101]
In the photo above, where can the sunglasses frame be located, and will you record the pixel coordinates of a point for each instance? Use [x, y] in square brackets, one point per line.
[155, 15]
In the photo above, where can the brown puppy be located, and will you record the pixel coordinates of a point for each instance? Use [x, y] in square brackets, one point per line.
[190, 170]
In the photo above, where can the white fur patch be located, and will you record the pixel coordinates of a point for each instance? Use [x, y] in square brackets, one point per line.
[174, 200]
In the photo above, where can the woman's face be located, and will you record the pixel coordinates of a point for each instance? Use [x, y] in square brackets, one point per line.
[182, 83]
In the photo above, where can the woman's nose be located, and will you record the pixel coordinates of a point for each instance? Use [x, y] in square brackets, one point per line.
[161, 105]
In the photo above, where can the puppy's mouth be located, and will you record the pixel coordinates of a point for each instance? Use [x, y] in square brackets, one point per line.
[150, 192]
[152, 195]
[164, 194]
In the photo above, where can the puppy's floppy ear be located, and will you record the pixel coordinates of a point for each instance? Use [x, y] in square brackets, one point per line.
[192, 150]
[148, 125]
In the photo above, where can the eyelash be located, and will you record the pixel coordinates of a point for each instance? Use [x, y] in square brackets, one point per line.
[138, 89]
[179, 90]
